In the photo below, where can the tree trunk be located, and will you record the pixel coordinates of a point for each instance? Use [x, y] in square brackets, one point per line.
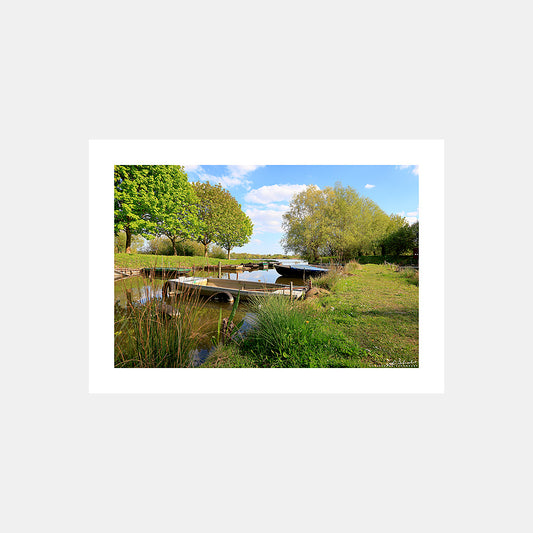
[229, 252]
[174, 246]
[128, 240]
[205, 250]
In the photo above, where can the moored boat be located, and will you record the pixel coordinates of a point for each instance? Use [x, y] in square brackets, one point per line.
[229, 288]
[300, 271]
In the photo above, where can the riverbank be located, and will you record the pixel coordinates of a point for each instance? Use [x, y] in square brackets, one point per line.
[368, 318]
[153, 261]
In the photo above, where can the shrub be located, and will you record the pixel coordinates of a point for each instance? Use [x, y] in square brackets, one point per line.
[217, 252]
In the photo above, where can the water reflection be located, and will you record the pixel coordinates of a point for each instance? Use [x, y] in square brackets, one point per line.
[138, 290]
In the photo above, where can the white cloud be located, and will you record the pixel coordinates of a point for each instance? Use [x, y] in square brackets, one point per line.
[410, 217]
[368, 186]
[273, 193]
[413, 168]
[236, 175]
[239, 171]
[266, 220]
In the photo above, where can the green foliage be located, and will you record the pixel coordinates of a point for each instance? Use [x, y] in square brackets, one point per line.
[148, 260]
[381, 259]
[155, 200]
[130, 202]
[403, 239]
[237, 228]
[137, 242]
[163, 246]
[217, 252]
[148, 337]
[334, 222]
[214, 204]
[288, 336]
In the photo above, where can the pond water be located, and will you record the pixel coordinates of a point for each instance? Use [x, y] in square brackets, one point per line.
[140, 289]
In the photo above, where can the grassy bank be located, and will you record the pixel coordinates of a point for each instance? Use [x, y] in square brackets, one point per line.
[368, 318]
[146, 260]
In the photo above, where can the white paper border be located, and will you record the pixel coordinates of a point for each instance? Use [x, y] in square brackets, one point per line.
[427, 154]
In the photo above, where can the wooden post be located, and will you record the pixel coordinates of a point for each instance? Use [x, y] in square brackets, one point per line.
[220, 269]
[290, 291]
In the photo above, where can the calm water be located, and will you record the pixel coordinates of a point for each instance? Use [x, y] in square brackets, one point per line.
[139, 289]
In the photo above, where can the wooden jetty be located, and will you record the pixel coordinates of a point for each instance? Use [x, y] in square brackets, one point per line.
[121, 273]
[230, 268]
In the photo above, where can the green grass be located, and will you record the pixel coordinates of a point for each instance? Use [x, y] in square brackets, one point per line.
[147, 260]
[369, 319]
[287, 335]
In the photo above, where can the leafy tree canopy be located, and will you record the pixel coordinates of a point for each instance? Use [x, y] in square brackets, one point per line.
[214, 205]
[236, 228]
[155, 200]
[335, 221]
[402, 239]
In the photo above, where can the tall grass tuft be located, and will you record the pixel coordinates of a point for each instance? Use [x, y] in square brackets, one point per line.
[147, 336]
[286, 335]
[410, 275]
[352, 267]
[328, 281]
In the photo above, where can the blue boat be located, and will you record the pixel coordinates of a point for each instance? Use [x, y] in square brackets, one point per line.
[300, 271]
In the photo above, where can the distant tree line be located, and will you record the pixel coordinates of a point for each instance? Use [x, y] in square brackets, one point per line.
[337, 222]
[157, 201]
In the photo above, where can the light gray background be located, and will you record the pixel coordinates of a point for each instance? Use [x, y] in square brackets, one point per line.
[296, 70]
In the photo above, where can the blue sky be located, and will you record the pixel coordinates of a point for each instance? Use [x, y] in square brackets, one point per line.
[265, 192]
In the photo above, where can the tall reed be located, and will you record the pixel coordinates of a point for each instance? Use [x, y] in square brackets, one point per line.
[147, 336]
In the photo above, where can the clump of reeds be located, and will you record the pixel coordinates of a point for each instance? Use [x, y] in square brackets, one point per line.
[158, 333]
[328, 281]
[352, 266]
[287, 335]
[410, 275]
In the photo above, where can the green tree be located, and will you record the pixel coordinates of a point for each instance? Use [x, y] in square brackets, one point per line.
[402, 239]
[155, 200]
[304, 223]
[137, 242]
[131, 182]
[172, 202]
[237, 228]
[214, 203]
[334, 221]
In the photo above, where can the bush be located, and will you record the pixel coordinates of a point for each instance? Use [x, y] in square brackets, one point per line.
[217, 252]
[163, 246]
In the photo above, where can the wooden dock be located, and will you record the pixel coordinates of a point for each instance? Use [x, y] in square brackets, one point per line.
[121, 273]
